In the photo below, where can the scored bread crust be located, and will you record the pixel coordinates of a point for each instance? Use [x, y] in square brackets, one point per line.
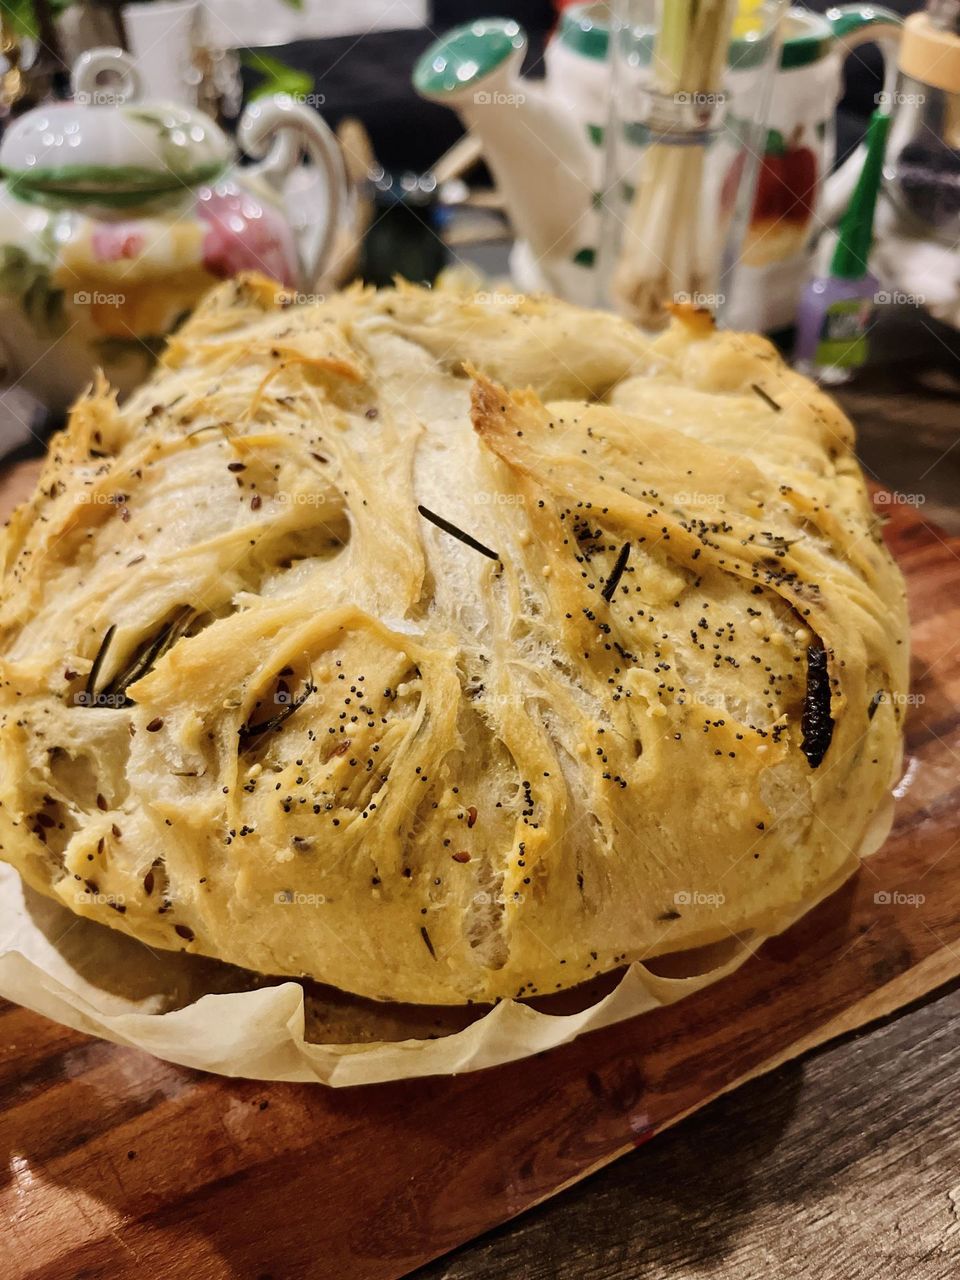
[256, 704]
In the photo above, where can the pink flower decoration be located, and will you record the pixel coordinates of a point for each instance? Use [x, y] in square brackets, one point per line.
[245, 234]
[115, 241]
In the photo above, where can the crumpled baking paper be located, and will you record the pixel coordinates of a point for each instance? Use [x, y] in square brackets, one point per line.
[200, 1013]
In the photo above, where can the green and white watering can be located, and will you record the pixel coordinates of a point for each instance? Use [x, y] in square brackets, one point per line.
[543, 140]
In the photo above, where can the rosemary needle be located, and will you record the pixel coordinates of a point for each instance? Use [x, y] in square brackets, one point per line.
[94, 675]
[250, 732]
[764, 396]
[454, 532]
[617, 573]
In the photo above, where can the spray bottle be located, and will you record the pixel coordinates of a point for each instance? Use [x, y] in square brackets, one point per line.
[835, 310]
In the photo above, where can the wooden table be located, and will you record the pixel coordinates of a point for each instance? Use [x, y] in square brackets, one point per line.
[841, 1165]
[844, 1165]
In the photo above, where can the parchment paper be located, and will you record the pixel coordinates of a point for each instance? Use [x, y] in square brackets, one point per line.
[199, 1013]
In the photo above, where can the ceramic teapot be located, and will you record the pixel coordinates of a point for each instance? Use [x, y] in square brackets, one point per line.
[116, 215]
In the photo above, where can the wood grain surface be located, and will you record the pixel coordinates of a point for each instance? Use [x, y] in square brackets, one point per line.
[114, 1164]
[842, 1166]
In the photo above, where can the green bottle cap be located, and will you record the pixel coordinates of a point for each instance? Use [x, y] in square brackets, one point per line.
[856, 227]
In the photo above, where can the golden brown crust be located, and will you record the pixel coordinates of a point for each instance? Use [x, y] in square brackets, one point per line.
[325, 735]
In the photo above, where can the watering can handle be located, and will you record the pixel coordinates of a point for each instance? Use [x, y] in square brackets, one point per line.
[854, 25]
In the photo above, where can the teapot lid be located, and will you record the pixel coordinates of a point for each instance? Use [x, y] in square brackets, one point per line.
[106, 147]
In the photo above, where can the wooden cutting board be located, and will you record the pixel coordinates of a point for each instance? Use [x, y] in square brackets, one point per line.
[114, 1164]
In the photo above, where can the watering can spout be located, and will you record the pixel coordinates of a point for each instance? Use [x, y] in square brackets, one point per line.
[531, 143]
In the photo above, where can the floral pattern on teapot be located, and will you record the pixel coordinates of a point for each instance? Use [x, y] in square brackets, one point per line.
[100, 261]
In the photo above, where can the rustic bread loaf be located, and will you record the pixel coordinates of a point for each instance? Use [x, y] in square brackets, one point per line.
[447, 648]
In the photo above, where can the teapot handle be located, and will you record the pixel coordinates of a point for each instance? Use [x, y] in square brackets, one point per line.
[276, 130]
[89, 66]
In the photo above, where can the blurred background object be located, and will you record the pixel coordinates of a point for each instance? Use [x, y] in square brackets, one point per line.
[797, 183]
[403, 238]
[12, 86]
[118, 212]
[692, 84]
[924, 179]
[543, 139]
[918, 244]
[835, 311]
